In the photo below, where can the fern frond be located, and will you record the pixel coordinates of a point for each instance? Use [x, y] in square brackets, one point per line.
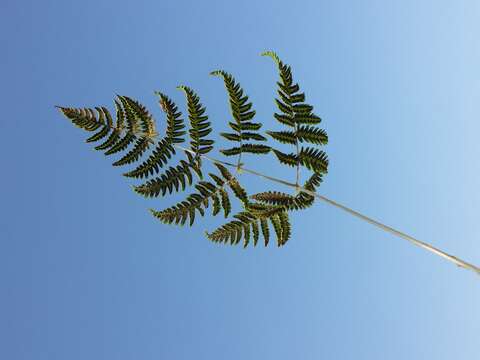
[242, 113]
[246, 148]
[164, 149]
[141, 145]
[117, 130]
[276, 198]
[285, 137]
[233, 183]
[313, 159]
[174, 178]
[265, 230]
[138, 120]
[116, 142]
[287, 159]
[157, 159]
[271, 54]
[199, 201]
[135, 132]
[121, 144]
[111, 140]
[247, 222]
[103, 114]
[309, 119]
[132, 121]
[142, 117]
[83, 118]
[312, 135]
[297, 114]
[175, 123]
[186, 209]
[289, 202]
[199, 126]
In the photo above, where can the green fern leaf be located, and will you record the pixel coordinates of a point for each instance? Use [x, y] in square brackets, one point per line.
[313, 159]
[198, 202]
[121, 144]
[312, 135]
[132, 121]
[277, 227]
[288, 202]
[164, 149]
[200, 127]
[142, 117]
[226, 205]
[141, 145]
[285, 119]
[157, 159]
[265, 230]
[296, 114]
[233, 183]
[175, 123]
[247, 148]
[242, 113]
[174, 178]
[246, 222]
[309, 119]
[256, 233]
[111, 140]
[285, 227]
[276, 198]
[285, 137]
[117, 130]
[83, 118]
[103, 114]
[287, 159]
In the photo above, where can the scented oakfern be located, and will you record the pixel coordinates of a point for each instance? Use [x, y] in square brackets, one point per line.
[133, 136]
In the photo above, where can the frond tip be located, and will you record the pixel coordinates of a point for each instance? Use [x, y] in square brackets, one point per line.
[242, 113]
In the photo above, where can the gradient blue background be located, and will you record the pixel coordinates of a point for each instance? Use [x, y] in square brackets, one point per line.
[87, 273]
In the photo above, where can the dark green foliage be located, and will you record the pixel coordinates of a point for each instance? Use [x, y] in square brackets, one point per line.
[175, 124]
[157, 159]
[287, 159]
[299, 117]
[314, 159]
[310, 134]
[141, 145]
[138, 117]
[134, 138]
[242, 114]
[164, 149]
[174, 178]
[199, 126]
[300, 201]
[250, 148]
[247, 222]
[199, 201]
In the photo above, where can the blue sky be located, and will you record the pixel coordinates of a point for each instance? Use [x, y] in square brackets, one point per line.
[87, 273]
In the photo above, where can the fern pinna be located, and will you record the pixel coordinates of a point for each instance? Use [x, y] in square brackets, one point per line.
[133, 135]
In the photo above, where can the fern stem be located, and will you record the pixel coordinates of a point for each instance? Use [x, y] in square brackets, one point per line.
[459, 262]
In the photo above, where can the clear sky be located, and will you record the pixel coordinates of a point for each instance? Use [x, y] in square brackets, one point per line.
[87, 273]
